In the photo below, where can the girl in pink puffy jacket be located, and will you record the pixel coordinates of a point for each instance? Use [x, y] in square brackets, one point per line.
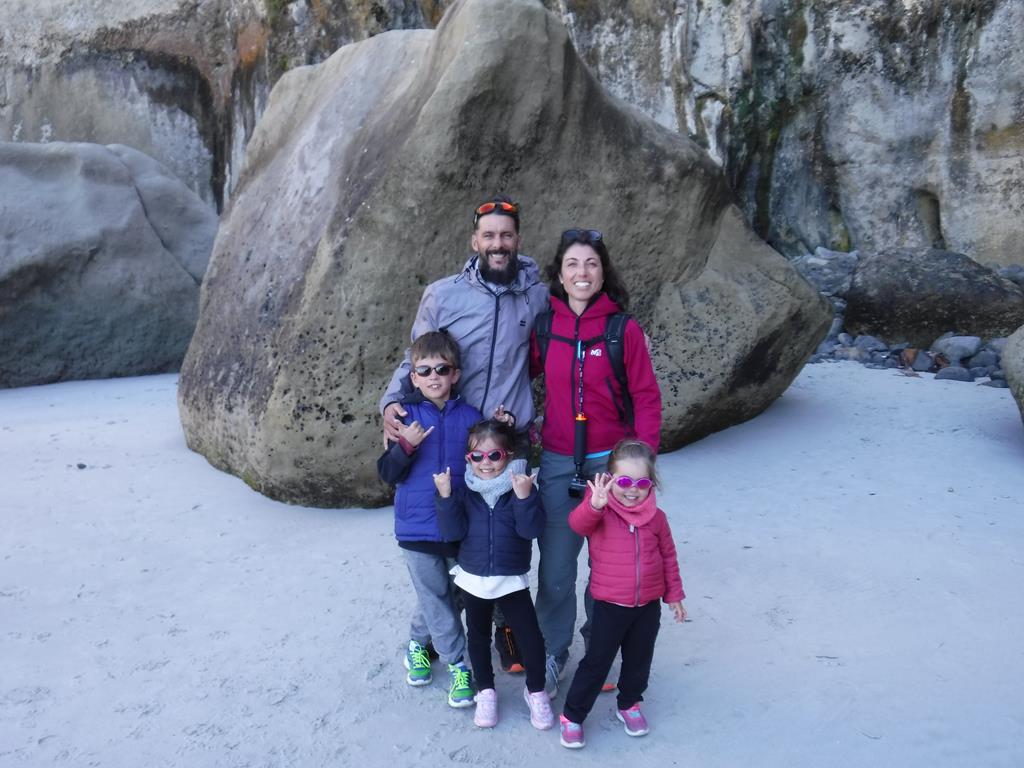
[633, 568]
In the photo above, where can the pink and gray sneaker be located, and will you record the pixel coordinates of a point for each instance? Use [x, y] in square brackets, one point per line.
[541, 716]
[486, 715]
[572, 733]
[633, 720]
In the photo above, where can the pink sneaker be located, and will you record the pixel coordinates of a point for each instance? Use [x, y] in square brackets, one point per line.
[541, 716]
[486, 715]
[572, 733]
[633, 720]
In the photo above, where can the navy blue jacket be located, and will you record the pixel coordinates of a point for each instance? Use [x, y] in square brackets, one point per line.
[494, 542]
[415, 518]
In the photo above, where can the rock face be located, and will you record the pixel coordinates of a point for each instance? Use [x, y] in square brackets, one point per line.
[916, 295]
[182, 81]
[101, 254]
[1013, 365]
[357, 191]
[847, 125]
[850, 125]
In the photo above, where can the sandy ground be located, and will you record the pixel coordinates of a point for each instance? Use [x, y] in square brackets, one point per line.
[852, 560]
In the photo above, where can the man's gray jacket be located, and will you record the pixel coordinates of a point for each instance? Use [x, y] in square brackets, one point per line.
[492, 326]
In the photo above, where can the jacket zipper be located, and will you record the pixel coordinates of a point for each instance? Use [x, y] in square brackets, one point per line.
[490, 540]
[636, 559]
[573, 388]
[494, 342]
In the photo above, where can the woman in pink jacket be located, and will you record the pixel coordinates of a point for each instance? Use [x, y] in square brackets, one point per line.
[633, 568]
[586, 412]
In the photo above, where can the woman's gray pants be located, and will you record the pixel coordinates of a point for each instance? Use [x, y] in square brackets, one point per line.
[559, 554]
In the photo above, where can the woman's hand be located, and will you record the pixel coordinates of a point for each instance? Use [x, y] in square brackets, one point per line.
[678, 610]
[443, 483]
[414, 433]
[599, 488]
[522, 484]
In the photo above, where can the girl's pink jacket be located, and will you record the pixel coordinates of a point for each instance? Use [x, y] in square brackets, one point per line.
[633, 557]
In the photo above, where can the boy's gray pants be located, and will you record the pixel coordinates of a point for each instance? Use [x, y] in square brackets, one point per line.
[436, 616]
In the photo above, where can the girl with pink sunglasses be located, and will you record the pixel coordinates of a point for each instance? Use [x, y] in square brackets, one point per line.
[633, 568]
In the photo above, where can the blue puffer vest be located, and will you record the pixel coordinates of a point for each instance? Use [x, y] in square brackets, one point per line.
[415, 516]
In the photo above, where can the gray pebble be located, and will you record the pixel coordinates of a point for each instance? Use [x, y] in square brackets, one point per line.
[954, 373]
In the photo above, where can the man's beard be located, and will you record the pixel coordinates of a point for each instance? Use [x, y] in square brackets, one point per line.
[502, 275]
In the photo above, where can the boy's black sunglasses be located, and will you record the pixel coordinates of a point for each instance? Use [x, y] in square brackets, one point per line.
[441, 370]
[582, 236]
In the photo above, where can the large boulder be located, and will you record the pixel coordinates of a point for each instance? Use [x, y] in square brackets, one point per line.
[916, 295]
[357, 191]
[1013, 366]
[102, 251]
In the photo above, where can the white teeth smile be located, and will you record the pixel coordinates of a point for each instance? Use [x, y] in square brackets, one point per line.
[582, 284]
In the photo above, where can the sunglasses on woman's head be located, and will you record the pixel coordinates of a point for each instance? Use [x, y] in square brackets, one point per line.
[625, 481]
[582, 236]
[496, 455]
[441, 370]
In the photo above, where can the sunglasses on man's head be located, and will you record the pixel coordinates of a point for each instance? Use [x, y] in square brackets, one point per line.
[441, 370]
[495, 205]
[582, 236]
[625, 481]
[496, 455]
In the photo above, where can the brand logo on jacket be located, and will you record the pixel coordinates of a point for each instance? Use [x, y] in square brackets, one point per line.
[596, 351]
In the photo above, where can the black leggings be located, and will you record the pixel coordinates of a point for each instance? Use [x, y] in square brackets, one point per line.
[615, 627]
[520, 615]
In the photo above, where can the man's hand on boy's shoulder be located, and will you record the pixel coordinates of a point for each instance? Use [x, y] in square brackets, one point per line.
[414, 433]
[393, 415]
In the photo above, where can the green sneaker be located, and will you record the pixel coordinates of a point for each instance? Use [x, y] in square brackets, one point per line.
[460, 692]
[417, 661]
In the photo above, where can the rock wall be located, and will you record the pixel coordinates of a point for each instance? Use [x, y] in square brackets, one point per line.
[357, 191]
[183, 81]
[866, 125]
[847, 125]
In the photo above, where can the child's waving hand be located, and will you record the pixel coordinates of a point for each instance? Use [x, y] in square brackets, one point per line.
[443, 483]
[599, 488]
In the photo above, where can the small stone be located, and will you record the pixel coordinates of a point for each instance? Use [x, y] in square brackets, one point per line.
[922, 361]
[997, 373]
[979, 371]
[997, 345]
[845, 339]
[983, 359]
[869, 343]
[954, 373]
[80, 465]
[997, 383]
[956, 348]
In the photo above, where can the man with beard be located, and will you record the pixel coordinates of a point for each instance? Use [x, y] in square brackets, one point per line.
[489, 309]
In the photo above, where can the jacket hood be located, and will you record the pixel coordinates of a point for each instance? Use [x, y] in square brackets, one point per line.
[600, 307]
[639, 515]
[527, 276]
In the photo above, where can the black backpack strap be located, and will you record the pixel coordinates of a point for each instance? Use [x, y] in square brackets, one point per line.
[542, 327]
[614, 342]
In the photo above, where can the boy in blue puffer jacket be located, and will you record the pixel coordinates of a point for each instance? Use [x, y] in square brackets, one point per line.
[433, 437]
